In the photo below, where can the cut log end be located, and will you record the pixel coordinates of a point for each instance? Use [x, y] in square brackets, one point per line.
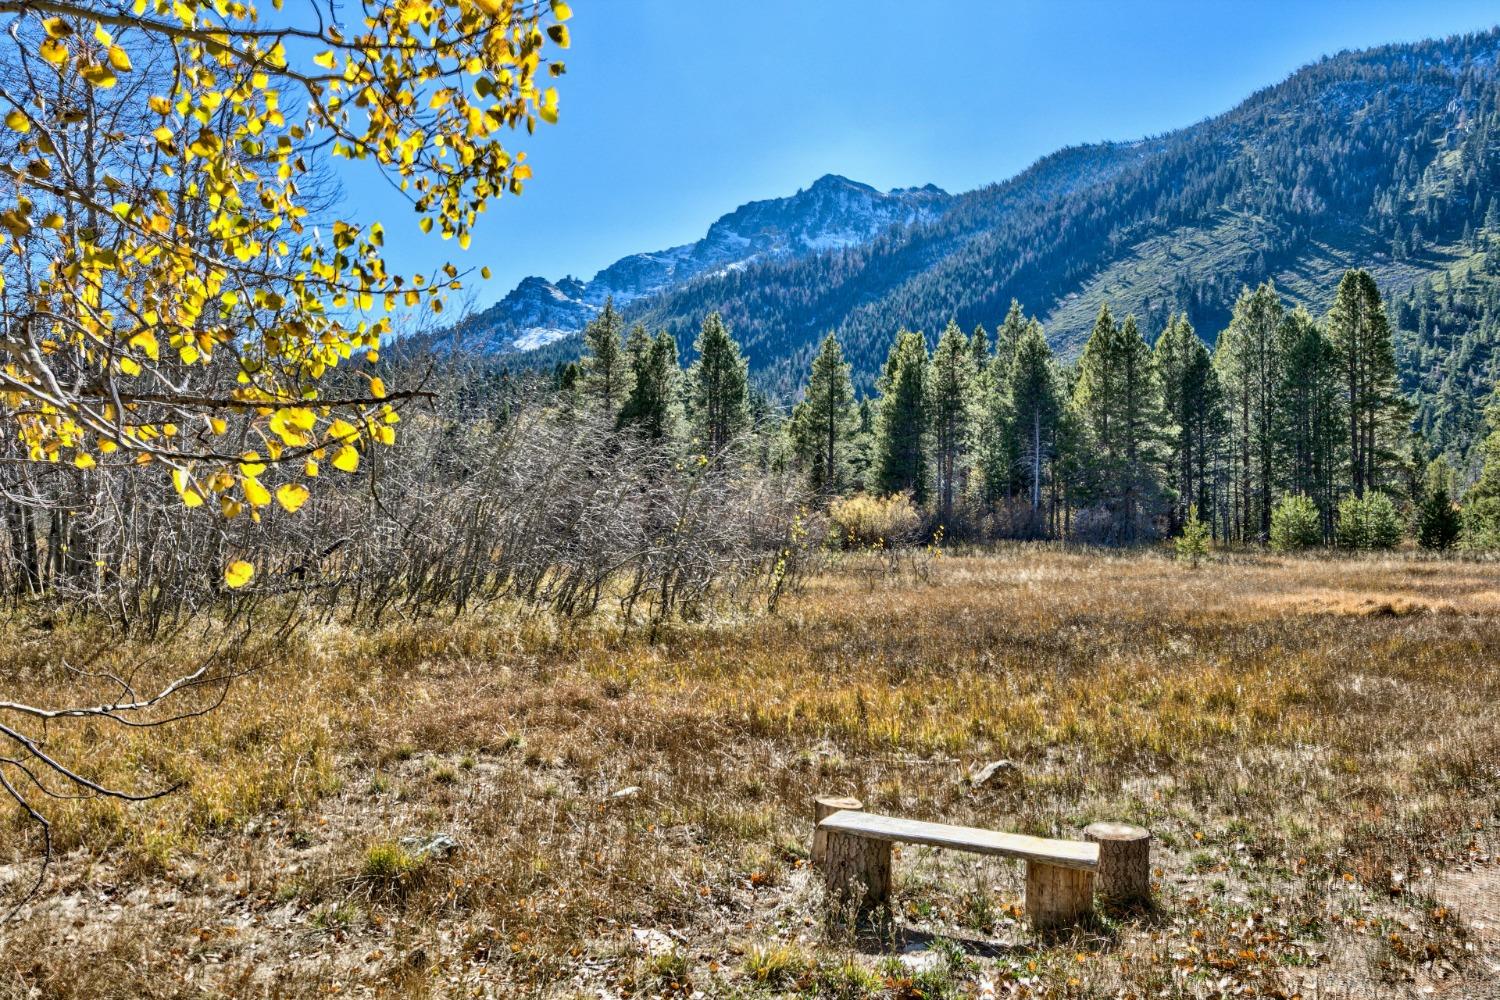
[823, 807]
[1124, 863]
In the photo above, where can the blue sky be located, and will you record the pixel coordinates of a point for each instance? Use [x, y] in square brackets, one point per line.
[673, 112]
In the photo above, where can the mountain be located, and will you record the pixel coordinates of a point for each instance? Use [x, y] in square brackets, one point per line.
[833, 214]
[1386, 159]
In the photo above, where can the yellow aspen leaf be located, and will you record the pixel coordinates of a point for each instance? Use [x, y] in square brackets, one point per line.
[310, 469]
[347, 459]
[145, 341]
[559, 34]
[561, 10]
[238, 573]
[218, 424]
[251, 465]
[291, 496]
[83, 460]
[324, 59]
[257, 494]
[56, 27]
[377, 387]
[101, 77]
[17, 121]
[186, 488]
[118, 59]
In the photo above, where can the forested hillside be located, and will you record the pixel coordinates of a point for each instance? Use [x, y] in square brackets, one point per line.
[1384, 159]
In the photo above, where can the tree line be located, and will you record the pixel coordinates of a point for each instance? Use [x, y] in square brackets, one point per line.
[1292, 430]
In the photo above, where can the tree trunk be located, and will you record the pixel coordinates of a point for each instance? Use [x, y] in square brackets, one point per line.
[1124, 877]
[823, 807]
[857, 874]
[1057, 897]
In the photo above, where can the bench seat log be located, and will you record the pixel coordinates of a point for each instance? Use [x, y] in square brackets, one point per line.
[1059, 853]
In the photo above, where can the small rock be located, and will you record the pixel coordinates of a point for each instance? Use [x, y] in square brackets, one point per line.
[628, 792]
[652, 941]
[438, 845]
[990, 770]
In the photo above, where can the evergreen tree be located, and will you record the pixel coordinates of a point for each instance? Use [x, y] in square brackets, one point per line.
[1438, 522]
[1481, 513]
[1296, 523]
[604, 367]
[1193, 545]
[1361, 335]
[951, 389]
[979, 347]
[1309, 411]
[901, 427]
[1008, 335]
[1034, 408]
[718, 387]
[1249, 357]
[651, 406]
[1119, 406]
[824, 422]
[1193, 401]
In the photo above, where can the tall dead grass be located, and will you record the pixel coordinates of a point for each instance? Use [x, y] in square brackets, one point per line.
[1311, 768]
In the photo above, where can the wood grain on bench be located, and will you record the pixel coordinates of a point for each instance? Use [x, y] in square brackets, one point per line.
[1061, 853]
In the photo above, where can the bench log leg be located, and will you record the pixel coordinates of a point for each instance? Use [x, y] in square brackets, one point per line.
[857, 874]
[1057, 896]
[824, 807]
[1124, 863]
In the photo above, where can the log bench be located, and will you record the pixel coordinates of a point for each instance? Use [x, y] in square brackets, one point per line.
[854, 849]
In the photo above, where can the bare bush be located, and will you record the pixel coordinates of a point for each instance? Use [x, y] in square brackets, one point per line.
[497, 492]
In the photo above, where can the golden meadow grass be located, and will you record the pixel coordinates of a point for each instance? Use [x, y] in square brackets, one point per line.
[1312, 741]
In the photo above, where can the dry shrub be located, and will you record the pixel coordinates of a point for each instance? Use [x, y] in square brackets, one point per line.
[864, 521]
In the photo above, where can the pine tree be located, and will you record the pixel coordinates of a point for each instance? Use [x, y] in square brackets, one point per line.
[1309, 412]
[1194, 404]
[1035, 408]
[604, 366]
[651, 406]
[979, 347]
[1008, 335]
[1119, 406]
[825, 420]
[1192, 544]
[951, 389]
[719, 386]
[1438, 522]
[1361, 334]
[901, 427]
[1481, 512]
[1249, 357]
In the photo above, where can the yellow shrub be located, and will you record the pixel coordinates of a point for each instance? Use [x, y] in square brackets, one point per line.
[863, 520]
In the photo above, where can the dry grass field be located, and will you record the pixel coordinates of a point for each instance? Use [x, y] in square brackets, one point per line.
[1315, 744]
